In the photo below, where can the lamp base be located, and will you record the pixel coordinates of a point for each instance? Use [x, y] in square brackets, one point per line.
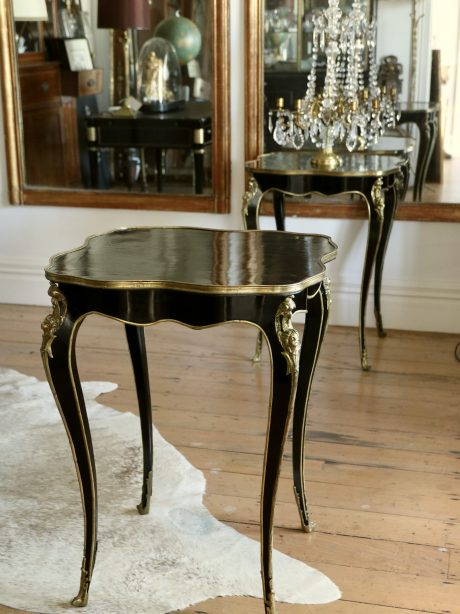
[326, 160]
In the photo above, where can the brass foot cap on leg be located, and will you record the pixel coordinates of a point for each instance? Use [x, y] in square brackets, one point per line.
[364, 362]
[309, 527]
[379, 322]
[257, 354]
[143, 508]
[81, 600]
[258, 350]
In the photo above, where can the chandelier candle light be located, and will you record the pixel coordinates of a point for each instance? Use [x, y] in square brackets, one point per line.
[345, 109]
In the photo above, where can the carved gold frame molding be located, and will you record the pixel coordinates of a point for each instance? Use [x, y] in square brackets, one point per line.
[21, 193]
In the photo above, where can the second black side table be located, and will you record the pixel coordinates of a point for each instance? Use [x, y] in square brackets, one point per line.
[378, 179]
[426, 117]
[188, 128]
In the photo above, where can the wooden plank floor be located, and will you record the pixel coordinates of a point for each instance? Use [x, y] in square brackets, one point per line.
[383, 449]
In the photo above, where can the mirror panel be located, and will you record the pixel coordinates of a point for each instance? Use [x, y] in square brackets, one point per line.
[447, 209]
[122, 166]
[288, 33]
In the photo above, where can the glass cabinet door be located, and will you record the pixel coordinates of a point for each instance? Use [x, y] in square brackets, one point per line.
[281, 40]
[288, 31]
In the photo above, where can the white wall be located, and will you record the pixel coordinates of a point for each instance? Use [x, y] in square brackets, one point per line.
[421, 289]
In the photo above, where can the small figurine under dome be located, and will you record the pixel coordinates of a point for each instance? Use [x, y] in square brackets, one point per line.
[160, 81]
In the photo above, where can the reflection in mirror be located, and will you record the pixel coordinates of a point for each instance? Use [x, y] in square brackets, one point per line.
[281, 31]
[93, 127]
[339, 104]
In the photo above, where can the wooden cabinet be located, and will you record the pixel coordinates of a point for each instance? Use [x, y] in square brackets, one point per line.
[49, 98]
[50, 127]
[82, 82]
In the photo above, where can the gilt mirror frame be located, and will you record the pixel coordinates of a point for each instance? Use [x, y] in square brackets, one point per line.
[254, 131]
[21, 193]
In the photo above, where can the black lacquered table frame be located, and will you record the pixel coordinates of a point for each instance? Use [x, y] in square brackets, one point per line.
[293, 362]
[426, 117]
[381, 193]
[188, 129]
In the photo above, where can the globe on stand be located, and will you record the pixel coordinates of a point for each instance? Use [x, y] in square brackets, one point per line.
[183, 34]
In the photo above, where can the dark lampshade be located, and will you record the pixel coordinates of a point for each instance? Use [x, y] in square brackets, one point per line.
[123, 14]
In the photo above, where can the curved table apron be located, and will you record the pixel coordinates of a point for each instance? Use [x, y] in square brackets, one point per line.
[380, 180]
[199, 278]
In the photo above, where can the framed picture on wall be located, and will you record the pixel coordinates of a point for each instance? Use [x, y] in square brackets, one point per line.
[73, 53]
[78, 54]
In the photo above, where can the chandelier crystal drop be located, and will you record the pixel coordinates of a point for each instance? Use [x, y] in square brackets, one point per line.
[350, 107]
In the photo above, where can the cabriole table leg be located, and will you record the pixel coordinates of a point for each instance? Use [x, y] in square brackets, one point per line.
[283, 341]
[376, 218]
[136, 343]
[318, 301]
[391, 200]
[58, 353]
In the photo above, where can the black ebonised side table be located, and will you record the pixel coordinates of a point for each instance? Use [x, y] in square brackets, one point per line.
[379, 179]
[426, 117]
[199, 278]
[188, 128]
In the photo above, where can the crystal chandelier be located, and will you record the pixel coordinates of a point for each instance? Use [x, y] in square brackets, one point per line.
[346, 109]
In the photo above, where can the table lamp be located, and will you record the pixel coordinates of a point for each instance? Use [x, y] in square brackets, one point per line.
[30, 10]
[124, 15]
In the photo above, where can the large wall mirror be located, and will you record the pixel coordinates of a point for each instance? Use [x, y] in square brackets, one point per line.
[70, 139]
[277, 38]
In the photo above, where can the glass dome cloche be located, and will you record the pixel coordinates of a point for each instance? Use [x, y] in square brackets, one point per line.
[159, 77]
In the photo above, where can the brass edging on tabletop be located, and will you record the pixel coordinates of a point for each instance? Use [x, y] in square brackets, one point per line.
[183, 286]
[250, 166]
[324, 173]
[199, 289]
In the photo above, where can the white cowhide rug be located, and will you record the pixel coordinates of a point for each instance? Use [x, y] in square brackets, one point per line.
[176, 556]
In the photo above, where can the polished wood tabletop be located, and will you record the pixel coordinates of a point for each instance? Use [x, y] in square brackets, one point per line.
[194, 111]
[199, 260]
[299, 163]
